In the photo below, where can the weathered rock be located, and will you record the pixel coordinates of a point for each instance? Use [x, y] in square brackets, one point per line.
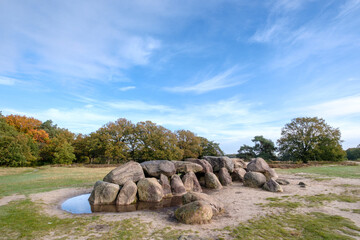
[197, 212]
[238, 163]
[150, 190]
[224, 177]
[157, 167]
[191, 183]
[302, 184]
[238, 174]
[254, 179]
[201, 180]
[164, 181]
[177, 186]
[270, 174]
[127, 194]
[186, 166]
[205, 164]
[216, 205]
[129, 171]
[211, 181]
[272, 186]
[104, 193]
[257, 165]
[219, 162]
[282, 181]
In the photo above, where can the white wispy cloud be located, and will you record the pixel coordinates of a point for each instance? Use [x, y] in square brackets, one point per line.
[226, 79]
[7, 81]
[123, 89]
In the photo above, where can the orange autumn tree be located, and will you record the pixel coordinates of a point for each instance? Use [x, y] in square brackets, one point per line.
[29, 126]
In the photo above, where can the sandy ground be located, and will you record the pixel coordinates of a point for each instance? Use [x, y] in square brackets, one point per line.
[241, 204]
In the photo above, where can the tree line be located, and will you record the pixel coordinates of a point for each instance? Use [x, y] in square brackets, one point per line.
[303, 139]
[26, 141]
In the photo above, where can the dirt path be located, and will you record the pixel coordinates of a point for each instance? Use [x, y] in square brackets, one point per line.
[242, 204]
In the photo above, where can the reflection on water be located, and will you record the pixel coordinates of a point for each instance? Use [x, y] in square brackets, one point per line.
[80, 204]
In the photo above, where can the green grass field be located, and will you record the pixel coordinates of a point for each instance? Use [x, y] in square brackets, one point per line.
[24, 219]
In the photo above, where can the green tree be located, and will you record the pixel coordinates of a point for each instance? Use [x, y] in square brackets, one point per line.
[310, 139]
[58, 151]
[210, 148]
[264, 148]
[353, 153]
[189, 143]
[246, 152]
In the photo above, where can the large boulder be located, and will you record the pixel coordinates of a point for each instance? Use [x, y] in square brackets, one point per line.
[216, 205]
[191, 182]
[186, 166]
[127, 194]
[272, 186]
[150, 190]
[104, 193]
[128, 171]
[219, 162]
[211, 181]
[197, 212]
[238, 174]
[257, 165]
[254, 179]
[224, 177]
[238, 163]
[157, 167]
[177, 186]
[205, 164]
[164, 181]
[270, 174]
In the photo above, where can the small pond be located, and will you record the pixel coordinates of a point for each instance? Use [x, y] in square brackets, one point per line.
[80, 205]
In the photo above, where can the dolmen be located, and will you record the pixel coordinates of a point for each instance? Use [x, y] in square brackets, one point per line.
[153, 181]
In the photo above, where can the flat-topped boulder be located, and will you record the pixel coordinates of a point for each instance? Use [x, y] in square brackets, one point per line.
[219, 162]
[104, 193]
[254, 179]
[156, 167]
[216, 205]
[186, 166]
[257, 165]
[198, 212]
[150, 190]
[128, 171]
[205, 164]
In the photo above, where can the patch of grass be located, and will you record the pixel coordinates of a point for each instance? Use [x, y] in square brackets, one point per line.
[319, 199]
[22, 220]
[34, 180]
[284, 204]
[329, 171]
[356, 211]
[296, 226]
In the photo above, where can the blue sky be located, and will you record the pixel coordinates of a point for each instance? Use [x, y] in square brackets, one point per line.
[226, 70]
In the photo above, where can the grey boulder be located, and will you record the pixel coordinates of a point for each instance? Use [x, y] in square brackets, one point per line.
[219, 162]
[177, 186]
[197, 212]
[129, 171]
[216, 205]
[205, 164]
[157, 167]
[150, 190]
[104, 193]
[186, 166]
[224, 177]
[127, 194]
[272, 186]
[257, 165]
[254, 179]
[191, 182]
[211, 181]
[164, 181]
[238, 174]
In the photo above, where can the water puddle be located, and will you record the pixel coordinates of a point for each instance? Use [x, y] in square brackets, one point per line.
[80, 205]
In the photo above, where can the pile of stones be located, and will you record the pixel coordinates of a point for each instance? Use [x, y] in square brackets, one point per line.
[152, 181]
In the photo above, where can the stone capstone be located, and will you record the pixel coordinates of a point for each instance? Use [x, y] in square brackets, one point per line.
[127, 194]
[150, 190]
[205, 164]
[191, 182]
[198, 212]
[129, 171]
[211, 181]
[238, 163]
[219, 162]
[272, 186]
[186, 166]
[156, 167]
[216, 205]
[257, 165]
[254, 179]
[177, 186]
[104, 193]
[224, 177]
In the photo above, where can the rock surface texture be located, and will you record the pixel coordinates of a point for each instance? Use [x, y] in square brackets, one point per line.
[224, 177]
[238, 174]
[164, 181]
[127, 194]
[157, 167]
[211, 181]
[177, 186]
[198, 212]
[205, 164]
[150, 190]
[186, 166]
[129, 171]
[272, 186]
[254, 179]
[258, 165]
[191, 182]
[216, 205]
[219, 162]
[104, 193]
